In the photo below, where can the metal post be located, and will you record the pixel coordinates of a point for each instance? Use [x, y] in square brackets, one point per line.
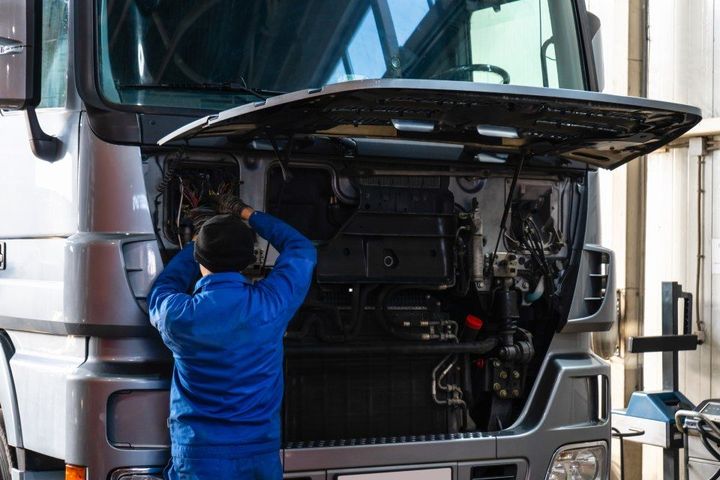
[636, 188]
[671, 291]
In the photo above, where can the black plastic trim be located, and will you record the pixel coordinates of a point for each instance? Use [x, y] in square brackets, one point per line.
[43, 146]
[586, 48]
[7, 346]
[567, 289]
[662, 343]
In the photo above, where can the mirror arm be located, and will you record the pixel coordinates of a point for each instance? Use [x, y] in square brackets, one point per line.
[44, 146]
[543, 60]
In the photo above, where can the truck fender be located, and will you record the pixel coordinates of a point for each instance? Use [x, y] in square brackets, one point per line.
[8, 398]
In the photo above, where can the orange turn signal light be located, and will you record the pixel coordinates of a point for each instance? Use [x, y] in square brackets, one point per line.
[73, 472]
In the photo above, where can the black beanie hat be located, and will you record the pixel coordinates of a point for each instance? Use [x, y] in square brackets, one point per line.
[225, 244]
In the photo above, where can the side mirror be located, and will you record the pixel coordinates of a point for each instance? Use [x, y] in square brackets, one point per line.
[596, 40]
[19, 54]
[20, 67]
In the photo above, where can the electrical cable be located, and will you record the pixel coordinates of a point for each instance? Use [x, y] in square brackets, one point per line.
[506, 210]
[622, 436]
[156, 212]
[713, 452]
[283, 160]
[705, 438]
[622, 452]
[179, 213]
[686, 453]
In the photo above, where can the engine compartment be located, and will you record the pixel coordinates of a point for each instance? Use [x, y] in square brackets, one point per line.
[428, 315]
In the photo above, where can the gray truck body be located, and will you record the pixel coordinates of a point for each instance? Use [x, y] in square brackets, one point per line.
[84, 378]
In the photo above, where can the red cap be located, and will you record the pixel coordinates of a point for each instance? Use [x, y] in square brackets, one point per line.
[471, 321]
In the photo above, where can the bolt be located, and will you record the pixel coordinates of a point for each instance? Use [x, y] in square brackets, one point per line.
[496, 364]
[497, 387]
[516, 393]
[503, 393]
[516, 374]
[503, 374]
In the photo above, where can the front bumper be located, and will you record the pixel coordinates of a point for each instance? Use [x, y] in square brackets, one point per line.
[567, 405]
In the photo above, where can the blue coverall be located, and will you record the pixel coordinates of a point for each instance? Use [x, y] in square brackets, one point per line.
[227, 341]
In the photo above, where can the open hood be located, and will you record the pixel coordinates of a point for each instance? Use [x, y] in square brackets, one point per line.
[595, 128]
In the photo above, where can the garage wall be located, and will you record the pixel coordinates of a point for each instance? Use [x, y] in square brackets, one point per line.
[682, 57]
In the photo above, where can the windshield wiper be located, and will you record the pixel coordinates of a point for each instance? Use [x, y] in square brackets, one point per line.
[217, 87]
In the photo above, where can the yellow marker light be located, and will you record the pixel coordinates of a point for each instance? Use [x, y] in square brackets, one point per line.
[73, 472]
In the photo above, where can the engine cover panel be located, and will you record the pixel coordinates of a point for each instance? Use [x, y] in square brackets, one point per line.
[402, 232]
[392, 248]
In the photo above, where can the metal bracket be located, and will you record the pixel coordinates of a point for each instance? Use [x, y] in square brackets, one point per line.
[662, 343]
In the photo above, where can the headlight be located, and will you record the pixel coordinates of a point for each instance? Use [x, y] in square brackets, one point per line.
[585, 461]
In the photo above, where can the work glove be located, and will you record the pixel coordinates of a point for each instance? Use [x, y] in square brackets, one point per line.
[220, 205]
[231, 204]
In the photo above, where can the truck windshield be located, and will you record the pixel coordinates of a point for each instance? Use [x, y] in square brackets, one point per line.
[216, 54]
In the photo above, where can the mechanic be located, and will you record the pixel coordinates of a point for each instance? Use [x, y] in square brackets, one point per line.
[227, 340]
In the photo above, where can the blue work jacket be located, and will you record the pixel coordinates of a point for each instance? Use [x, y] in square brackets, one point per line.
[227, 340]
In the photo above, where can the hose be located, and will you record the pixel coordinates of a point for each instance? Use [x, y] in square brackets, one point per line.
[480, 347]
[703, 425]
[535, 295]
[454, 394]
[704, 438]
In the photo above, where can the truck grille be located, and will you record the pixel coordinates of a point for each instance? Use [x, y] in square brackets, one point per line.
[383, 440]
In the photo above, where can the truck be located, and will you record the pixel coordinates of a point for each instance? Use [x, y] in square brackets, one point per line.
[443, 156]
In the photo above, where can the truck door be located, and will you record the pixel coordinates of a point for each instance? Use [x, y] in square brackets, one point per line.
[39, 211]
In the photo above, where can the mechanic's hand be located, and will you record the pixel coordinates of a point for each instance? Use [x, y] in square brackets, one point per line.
[246, 212]
[235, 206]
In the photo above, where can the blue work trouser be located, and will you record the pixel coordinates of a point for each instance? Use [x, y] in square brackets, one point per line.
[259, 467]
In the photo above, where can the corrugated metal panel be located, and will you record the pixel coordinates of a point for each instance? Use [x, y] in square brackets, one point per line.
[682, 59]
[681, 65]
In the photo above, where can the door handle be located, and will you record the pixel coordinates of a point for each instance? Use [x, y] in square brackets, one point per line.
[3, 255]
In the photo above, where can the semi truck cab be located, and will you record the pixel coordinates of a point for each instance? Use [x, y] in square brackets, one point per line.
[442, 155]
